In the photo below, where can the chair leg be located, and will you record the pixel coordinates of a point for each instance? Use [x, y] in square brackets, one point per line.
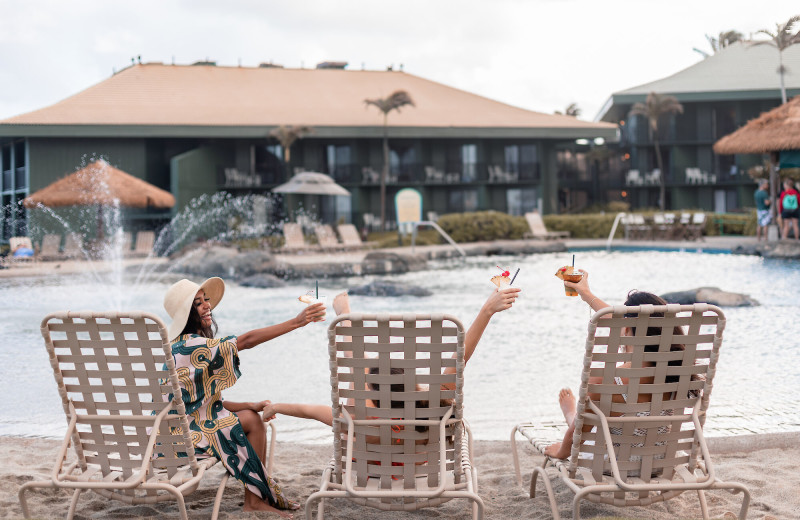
[576, 504]
[548, 487]
[315, 497]
[218, 498]
[703, 505]
[73, 504]
[515, 456]
[21, 494]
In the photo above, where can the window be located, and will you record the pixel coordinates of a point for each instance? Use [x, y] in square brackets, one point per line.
[511, 154]
[460, 201]
[521, 201]
[469, 162]
[269, 163]
[402, 161]
[339, 162]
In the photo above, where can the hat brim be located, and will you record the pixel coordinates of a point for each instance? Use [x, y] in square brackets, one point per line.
[214, 288]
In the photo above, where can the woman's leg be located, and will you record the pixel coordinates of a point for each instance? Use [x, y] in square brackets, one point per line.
[256, 433]
[561, 450]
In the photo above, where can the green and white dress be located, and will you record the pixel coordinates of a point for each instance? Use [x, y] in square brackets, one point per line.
[205, 368]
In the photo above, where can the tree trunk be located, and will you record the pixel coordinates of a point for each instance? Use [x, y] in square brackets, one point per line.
[662, 188]
[287, 156]
[781, 71]
[385, 171]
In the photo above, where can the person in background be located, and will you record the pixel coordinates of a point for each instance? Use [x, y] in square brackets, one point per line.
[789, 207]
[763, 216]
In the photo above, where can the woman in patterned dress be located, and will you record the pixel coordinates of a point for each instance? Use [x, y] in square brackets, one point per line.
[206, 365]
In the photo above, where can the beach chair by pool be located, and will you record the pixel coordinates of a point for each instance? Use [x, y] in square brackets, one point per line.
[628, 451]
[400, 440]
[538, 229]
[73, 246]
[15, 242]
[127, 424]
[51, 247]
[350, 237]
[293, 238]
[326, 237]
[144, 244]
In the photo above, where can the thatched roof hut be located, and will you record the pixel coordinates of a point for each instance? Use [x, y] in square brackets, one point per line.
[773, 131]
[100, 183]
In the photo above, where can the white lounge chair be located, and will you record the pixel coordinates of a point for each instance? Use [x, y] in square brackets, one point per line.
[647, 446]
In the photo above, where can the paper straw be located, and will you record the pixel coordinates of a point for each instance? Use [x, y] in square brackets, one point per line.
[514, 277]
[316, 282]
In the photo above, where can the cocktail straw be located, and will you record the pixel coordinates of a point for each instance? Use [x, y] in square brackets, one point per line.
[573, 260]
[316, 283]
[514, 277]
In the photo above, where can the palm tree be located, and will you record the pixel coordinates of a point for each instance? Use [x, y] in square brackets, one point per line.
[287, 135]
[781, 39]
[725, 39]
[653, 108]
[572, 110]
[395, 101]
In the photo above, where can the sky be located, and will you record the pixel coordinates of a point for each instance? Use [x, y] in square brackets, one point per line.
[540, 55]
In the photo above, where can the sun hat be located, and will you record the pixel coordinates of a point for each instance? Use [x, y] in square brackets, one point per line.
[180, 297]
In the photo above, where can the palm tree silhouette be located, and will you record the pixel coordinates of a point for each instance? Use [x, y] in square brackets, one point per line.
[395, 101]
[781, 39]
[287, 135]
[653, 108]
[724, 39]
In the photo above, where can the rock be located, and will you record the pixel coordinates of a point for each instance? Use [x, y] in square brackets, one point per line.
[226, 262]
[387, 288]
[788, 249]
[262, 281]
[401, 263]
[712, 295]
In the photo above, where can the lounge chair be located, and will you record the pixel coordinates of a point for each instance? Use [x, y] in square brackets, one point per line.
[73, 246]
[538, 229]
[131, 438]
[633, 453]
[413, 449]
[350, 237]
[293, 238]
[144, 244]
[14, 243]
[694, 231]
[51, 245]
[326, 237]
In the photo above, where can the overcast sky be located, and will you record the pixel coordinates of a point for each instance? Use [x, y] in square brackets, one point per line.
[537, 54]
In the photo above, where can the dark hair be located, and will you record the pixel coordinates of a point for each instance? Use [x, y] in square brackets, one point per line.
[401, 387]
[645, 298]
[194, 325]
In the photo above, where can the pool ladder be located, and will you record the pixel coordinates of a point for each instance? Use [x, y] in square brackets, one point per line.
[619, 217]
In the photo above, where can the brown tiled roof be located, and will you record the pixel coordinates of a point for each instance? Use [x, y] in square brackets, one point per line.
[170, 95]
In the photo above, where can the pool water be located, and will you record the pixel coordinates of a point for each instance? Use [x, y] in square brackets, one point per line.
[526, 355]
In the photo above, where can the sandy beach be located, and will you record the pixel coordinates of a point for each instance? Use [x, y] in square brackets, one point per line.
[767, 464]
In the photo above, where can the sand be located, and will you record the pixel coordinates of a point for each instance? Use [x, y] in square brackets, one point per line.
[767, 464]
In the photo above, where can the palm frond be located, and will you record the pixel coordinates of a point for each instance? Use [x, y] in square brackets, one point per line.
[395, 101]
[287, 135]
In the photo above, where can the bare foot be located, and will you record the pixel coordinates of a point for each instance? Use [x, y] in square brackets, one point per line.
[341, 303]
[557, 451]
[260, 505]
[566, 400]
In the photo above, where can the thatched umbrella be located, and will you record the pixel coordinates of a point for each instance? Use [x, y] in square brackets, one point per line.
[771, 132]
[100, 184]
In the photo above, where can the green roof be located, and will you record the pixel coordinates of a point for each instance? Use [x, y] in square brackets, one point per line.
[739, 72]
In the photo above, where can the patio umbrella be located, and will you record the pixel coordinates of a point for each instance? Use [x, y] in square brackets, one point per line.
[311, 183]
[100, 184]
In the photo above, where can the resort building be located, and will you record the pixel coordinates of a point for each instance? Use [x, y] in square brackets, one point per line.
[200, 129]
[719, 94]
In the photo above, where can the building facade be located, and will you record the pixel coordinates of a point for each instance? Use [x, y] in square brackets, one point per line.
[201, 129]
[719, 94]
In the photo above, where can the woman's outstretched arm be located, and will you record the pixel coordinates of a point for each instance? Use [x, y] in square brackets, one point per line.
[318, 412]
[255, 337]
[586, 294]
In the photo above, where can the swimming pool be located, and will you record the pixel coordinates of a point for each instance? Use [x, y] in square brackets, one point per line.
[526, 355]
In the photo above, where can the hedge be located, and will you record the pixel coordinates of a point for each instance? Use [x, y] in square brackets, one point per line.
[482, 226]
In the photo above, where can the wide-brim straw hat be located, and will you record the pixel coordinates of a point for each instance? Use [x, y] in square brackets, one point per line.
[180, 297]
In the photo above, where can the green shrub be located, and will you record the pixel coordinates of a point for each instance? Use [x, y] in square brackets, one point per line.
[482, 226]
[591, 225]
[730, 224]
